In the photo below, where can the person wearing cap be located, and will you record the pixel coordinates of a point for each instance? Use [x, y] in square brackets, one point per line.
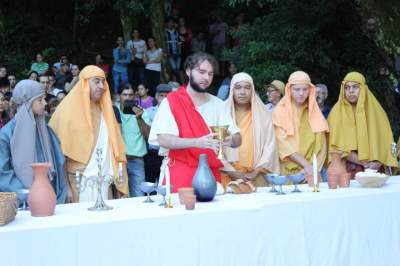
[152, 161]
[275, 91]
[135, 130]
[300, 127]
[85, 122]
[26, 139]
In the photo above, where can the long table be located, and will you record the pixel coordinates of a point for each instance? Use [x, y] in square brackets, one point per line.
[350, 226]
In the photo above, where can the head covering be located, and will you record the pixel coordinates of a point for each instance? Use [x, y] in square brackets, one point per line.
[367, 130]
[264, 143]
[283, 114]
[279, 85]
[163, 88]
[72, 121]
[23, 142]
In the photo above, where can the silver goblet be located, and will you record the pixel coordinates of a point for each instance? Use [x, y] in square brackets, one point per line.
[23, 197]
[148, 187]
[279, 181]
[296, 179]
[269, 177]
[162, 190]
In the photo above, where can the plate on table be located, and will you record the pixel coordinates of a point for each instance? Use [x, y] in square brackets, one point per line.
[371, 179]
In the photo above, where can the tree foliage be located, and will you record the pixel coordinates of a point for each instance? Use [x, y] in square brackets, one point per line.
[325, 38]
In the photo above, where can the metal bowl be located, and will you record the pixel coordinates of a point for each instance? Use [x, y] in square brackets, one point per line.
[269, 177]
[148, 187]
[297, 178]
[279, 180]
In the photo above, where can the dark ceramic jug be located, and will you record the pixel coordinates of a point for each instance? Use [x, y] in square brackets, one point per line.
[204, 184]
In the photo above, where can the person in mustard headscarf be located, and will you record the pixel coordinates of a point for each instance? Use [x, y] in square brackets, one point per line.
[300, 127]
[360, 131]
[85, 122]
[258, 153]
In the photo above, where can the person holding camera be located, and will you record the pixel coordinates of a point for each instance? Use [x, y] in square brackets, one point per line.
[135, 128]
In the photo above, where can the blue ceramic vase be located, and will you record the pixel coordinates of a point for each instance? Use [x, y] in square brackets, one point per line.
[204, 184]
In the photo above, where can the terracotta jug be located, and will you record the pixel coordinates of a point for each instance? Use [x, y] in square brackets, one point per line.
[42, 198]
[336, 170]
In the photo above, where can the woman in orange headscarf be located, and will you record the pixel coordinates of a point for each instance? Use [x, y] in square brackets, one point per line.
[360, 134]
[300, 127]
[79, 120]
[258, 153]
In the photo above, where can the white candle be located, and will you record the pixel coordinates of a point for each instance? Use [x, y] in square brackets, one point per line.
[167, 181]
[315, 171]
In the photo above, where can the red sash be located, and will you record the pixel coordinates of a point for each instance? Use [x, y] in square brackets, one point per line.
[191, 124]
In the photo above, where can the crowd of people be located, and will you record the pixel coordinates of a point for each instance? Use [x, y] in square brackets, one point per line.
[63, 115]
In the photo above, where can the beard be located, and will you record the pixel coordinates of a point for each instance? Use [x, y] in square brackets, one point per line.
[196, 86]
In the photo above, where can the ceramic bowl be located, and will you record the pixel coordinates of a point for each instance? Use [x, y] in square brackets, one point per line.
[372, 181]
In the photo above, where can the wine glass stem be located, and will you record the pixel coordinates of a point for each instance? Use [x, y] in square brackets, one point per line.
[280, 188]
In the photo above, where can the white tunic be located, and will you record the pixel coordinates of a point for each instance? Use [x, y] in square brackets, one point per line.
[214, 112]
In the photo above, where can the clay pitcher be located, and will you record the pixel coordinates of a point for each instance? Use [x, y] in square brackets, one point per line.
[42, 198]
[336, 169]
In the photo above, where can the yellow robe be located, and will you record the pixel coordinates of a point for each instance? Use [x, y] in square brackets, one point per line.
[246, 153]
[304, 142]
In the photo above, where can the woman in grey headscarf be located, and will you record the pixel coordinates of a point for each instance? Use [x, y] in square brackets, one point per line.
[27, 139]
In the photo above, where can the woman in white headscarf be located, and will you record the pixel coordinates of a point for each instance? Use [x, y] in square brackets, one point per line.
[27, 139]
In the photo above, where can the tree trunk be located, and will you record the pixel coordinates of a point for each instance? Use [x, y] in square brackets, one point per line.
[158, 30]
[127, 21]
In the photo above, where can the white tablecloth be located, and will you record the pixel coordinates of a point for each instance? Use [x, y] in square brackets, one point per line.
[351, 226]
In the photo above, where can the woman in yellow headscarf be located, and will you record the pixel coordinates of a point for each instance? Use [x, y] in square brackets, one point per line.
[258, 153]
[300, 127]
[78, 121]
[360, 131]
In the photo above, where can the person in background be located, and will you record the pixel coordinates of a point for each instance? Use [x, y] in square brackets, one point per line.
[174, 48]
[13, 81]
[135, 130]
[40, 66]
[69, 84]
[143, 99]
[27, 139]
[63, 76]
[322, 95]
[152, 161]
[275, 91]
[3, 72]
[186, 36]
[219, 39]
[137, 47]
[99, 61]
[122, 57]
[33, 75]
[5, 85]
[152, 59]
[4, 116]
[199, 43]
[223, 91]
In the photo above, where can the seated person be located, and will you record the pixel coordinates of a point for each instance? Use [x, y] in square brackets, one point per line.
[27, 139]
[258, 153]
[300, 127]
[360, 132]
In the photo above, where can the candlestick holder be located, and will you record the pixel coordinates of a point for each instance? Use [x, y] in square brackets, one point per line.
[168, 204]
[315, 188]
[83, 182]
